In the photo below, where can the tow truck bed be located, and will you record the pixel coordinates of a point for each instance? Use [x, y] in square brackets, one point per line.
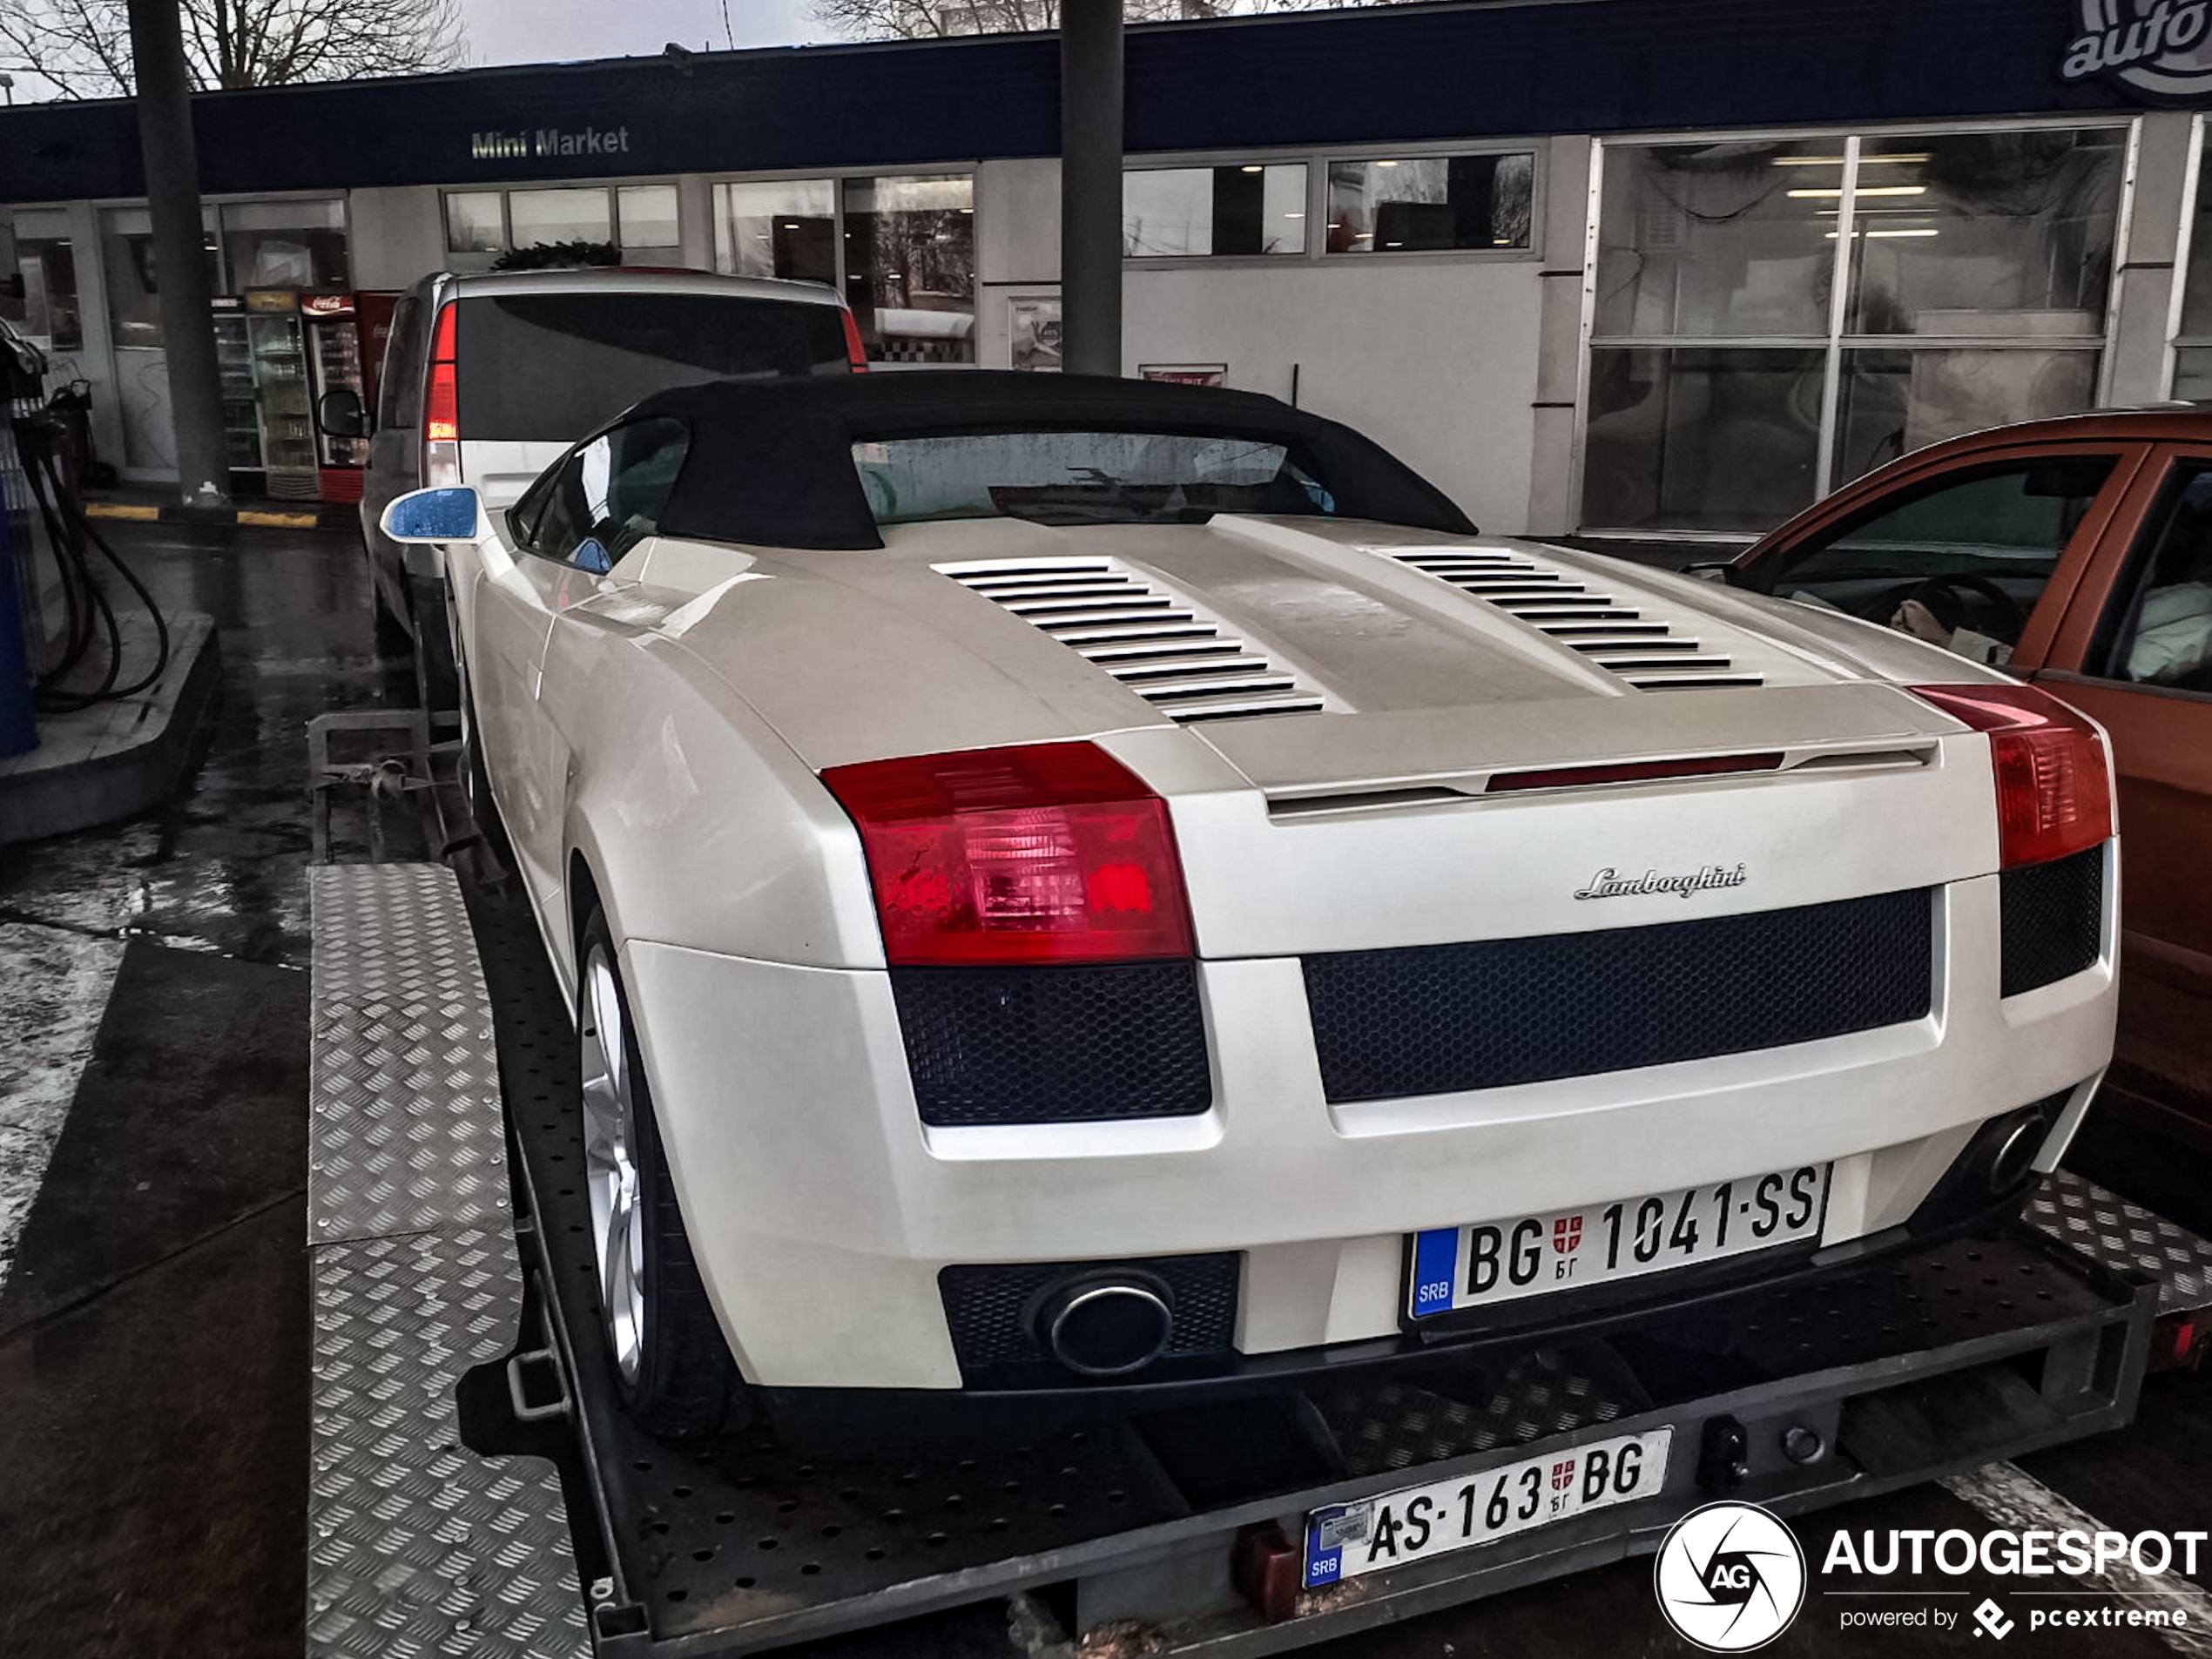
[1191, 1519]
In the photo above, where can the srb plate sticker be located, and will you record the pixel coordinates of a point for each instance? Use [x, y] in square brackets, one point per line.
[1344, 1540]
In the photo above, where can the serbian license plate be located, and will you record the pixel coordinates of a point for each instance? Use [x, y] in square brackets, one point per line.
[1346, 1540]
[1500, 1261]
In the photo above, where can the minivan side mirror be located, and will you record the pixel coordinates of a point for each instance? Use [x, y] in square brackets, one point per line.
[448, 514]
[342, 414]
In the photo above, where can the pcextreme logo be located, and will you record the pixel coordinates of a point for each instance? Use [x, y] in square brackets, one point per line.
[1729, 1577]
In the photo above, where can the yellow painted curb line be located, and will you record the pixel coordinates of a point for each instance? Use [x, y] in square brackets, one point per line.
[117, 510]
[281, 520]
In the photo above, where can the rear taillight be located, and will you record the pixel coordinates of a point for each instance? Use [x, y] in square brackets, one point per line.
[2053, 783]
[856, 351]
[1049, 853]
[441, 401]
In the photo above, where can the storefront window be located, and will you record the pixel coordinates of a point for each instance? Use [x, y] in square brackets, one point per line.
[910, 266]
[1727, 390]
[1894, 402]
[476, 222]
[284, 245]
[1966, 227]
[47, 265]
[1716, 240]
[1180, 213]
[1702, 437]
[133, 273]
[781, 228]
[567, 214]
[1410, 203]
[646, 214]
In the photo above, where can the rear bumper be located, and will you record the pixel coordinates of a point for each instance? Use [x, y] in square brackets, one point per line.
[822, 1209]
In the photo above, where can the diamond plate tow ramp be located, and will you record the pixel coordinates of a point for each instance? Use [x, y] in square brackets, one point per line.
[416, 1545]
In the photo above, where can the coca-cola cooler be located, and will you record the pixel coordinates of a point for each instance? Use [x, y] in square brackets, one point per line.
[331, 322]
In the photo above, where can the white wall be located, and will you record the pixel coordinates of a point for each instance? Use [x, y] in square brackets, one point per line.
[1433, 358]
[396, 235]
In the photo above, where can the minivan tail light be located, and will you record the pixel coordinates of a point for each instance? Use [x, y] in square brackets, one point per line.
[1051, 852]
[2054, 782]
[856, 351]
[441, 401]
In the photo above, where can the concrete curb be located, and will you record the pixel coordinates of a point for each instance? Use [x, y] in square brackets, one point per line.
[117, 759]
[320, 516]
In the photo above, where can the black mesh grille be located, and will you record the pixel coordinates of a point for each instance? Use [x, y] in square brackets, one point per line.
[989, 1308]
[1055, 1044]
[2053, 919]
[1434, 1019]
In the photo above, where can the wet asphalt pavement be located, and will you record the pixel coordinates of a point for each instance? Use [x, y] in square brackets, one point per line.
[154, 1321]
[154, 1324]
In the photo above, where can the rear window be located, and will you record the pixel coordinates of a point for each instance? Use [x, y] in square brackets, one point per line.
[551, 367]
[1083, 478]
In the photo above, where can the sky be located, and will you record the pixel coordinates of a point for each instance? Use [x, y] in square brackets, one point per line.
[535, 32]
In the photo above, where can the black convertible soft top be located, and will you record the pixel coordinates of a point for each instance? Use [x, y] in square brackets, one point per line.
[771, 462]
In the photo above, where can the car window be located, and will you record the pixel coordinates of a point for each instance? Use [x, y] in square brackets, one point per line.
[1083, 478]
[400, 391]
[1961, 561]
[546, 367]
[2157, 627]
[605, 496]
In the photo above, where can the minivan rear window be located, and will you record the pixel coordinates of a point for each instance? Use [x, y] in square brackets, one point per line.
[552, 367]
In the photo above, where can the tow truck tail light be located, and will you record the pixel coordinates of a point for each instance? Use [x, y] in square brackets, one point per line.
[856, 351]
[441, 402]
[1053, 852]
[2053, 783]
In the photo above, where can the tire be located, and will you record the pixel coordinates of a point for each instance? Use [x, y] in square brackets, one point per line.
[673, 1371]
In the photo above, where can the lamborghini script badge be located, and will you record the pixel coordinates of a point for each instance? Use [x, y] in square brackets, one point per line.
[1611, 884]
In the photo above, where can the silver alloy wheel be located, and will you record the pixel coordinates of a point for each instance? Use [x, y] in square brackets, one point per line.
[611, 1166]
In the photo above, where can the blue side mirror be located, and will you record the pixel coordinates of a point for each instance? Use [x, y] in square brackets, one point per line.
[447, 515]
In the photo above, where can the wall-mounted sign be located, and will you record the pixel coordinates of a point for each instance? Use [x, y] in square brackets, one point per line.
[2160, 50]
[1186, 374]
[548, 141]
[1032, 334]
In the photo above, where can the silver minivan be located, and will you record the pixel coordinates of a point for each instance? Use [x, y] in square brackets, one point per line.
[489, 378]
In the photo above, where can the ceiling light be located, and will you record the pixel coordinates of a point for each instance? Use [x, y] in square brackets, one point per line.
[1838, 161]
[1864, 190]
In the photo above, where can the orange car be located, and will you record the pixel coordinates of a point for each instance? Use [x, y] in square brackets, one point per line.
[2077, 552]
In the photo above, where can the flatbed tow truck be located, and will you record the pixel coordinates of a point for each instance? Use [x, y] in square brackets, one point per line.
[457, 1333]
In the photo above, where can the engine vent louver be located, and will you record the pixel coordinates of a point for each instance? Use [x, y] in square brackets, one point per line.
[1169, 652]
[1618, 638]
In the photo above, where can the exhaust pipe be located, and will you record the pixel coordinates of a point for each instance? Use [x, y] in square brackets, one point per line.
[1106, 1325]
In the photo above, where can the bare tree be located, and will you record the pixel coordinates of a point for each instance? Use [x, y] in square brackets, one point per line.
[82, 48]
[920, 19]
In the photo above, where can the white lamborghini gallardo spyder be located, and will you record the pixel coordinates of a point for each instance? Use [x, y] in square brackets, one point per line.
[1069, 883]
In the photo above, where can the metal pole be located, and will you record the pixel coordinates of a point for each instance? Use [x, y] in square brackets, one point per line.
[180, 263]
[19, 723]
[1090, 185]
